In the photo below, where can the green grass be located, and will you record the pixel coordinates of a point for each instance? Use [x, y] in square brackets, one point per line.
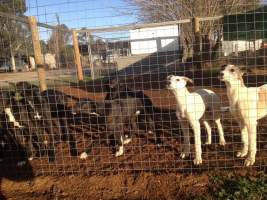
[236, 187]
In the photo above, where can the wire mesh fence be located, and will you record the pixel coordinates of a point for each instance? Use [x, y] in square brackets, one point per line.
[92, 94]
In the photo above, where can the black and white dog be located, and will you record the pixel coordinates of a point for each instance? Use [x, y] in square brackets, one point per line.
[118, 114]
[52, 112]
[119, 90]
[16, 125]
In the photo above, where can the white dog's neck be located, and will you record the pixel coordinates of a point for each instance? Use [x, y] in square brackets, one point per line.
[235, 86]
[181, 96]
[234, 89]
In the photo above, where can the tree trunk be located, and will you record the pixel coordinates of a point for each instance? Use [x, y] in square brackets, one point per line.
[12, 62]
[215, 49]
[185, 53]
[197, 43]
[206, 50]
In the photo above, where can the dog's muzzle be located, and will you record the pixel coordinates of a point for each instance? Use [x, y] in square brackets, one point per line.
[221, 76]
[168, 84]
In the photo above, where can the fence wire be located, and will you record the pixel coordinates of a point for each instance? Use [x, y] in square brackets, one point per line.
[123, 99]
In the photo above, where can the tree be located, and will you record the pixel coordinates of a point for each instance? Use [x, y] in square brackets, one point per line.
[85, 38]
[15, 36]
[58, 40]
[210, 31]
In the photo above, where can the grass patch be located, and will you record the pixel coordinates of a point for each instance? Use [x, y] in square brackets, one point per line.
[236, 187]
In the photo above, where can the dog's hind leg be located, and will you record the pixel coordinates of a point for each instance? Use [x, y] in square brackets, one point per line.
[208, 128]
[220, 130]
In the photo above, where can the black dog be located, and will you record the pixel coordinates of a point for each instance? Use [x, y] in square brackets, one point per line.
[51, 106]
[118, 90]
[118, 114]
[15, 125]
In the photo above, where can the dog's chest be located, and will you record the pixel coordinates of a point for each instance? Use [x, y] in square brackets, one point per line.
[243, 104]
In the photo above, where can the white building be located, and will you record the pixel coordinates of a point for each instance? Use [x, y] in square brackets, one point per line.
[236, 46]
[156, 39]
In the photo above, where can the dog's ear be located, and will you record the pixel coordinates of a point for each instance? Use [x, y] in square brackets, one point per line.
[189, 80]
[223, 67]
[114, 83]
[244, 70]
[17, 96]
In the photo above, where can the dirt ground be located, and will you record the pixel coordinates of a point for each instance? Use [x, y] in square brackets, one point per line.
[118, 186]
[145, 171]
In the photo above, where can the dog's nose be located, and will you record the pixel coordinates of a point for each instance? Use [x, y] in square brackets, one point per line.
[221, 75]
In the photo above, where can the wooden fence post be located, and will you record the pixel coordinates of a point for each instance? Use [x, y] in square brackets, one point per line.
[38, 53]
[91, 65]
[77, 56]
[196, 44]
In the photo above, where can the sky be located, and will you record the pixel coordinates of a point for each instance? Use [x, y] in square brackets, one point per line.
[82, 13]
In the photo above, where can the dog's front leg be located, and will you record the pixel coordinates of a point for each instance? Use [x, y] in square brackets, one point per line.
[220, 130]
[244, 138]
[186, 139]
[120, 149]
[11, 118]
[196, 128]
[252, 143]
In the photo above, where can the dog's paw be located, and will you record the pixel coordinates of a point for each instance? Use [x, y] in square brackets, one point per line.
[241, 154]
[30, 158]
[222, 143]
[21, 163]
[119, 152]
[197, 161]
[184, 155]
[208, 143]
[137, 112]
[249, 162]
[83, 156]
[127, 141]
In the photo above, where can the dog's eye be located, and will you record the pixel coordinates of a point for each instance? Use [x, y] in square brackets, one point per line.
[177, 79]
[232, 70]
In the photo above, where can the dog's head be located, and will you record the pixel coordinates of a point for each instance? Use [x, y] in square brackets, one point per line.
[177, 82]
[26, 89]
[114, 83]
[231, 74]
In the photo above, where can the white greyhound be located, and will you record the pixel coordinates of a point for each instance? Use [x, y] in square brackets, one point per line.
[202, 105]
[247, 105]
